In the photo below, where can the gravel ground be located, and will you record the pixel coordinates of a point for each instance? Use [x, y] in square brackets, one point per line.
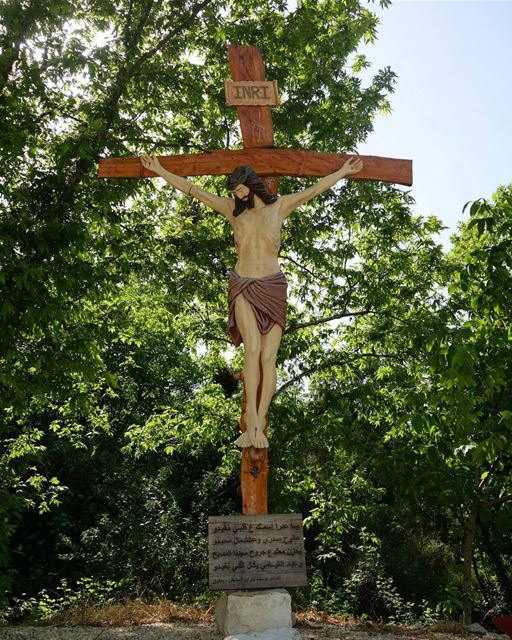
[158, 631]
[194, 631]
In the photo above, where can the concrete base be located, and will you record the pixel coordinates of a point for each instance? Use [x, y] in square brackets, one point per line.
[254, 613]
[269, 634]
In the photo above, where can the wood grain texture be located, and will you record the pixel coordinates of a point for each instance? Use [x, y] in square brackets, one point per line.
[246, 63]
[271, 162]
[254, 470]
[254, 487]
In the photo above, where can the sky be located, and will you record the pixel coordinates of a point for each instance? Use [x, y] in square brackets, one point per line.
[452, 107]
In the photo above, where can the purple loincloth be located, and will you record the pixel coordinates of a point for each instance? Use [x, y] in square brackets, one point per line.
[267, 297]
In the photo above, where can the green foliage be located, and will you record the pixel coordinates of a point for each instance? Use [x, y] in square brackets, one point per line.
[49, 606]
[369, 591]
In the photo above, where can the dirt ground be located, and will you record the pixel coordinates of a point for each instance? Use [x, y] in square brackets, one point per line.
[157, 631]
[207, 631]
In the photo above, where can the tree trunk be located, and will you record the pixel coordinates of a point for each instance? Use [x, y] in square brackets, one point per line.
[499, 566]
[467, 553]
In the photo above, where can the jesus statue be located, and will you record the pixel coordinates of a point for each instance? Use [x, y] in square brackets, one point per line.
[257, 286]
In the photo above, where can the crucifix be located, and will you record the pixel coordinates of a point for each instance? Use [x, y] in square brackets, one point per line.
[257, 287]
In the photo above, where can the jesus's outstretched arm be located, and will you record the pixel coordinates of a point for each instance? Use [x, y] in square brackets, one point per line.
[222, 205]
[291, 201]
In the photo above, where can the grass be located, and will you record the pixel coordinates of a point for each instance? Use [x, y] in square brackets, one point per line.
[133, 612]
[138, 612]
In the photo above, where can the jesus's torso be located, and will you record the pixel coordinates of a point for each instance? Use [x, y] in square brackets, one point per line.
[257, 234]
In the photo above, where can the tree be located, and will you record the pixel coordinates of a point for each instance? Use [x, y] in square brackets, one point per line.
[437, 409]
[473, 363]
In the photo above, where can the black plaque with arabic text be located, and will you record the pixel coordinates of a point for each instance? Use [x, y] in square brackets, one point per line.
[256, 552]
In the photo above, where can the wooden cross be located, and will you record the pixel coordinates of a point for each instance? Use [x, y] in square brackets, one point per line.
[256, 126]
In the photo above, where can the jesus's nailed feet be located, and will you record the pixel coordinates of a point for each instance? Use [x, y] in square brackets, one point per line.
[259, 440]
[243, 440]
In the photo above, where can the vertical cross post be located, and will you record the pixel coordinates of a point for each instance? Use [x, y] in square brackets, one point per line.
[256, 126]
[246, 64]
[254, 471]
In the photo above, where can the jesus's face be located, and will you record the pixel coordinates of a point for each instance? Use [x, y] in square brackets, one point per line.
[241, 192]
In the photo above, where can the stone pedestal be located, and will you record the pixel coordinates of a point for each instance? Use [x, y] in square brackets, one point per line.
[256, 615]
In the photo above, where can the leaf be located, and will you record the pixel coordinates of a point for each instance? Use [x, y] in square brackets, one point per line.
[431, 341]
[453, 288]
[475, 207]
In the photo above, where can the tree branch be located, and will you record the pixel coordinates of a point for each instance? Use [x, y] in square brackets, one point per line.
[214, 338]
[498, 501]
[128, 24]
[162, 144]
[107, 109]
[301, 266]
[346, 315]
[338, 316]
[131, 39]
[164, 41]
[328, 365]
[11, 53]
[127, 72]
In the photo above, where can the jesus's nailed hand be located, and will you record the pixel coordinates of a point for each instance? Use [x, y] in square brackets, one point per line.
[353, 165]
[151, 162]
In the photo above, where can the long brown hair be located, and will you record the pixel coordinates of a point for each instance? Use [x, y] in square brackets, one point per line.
[247, 176]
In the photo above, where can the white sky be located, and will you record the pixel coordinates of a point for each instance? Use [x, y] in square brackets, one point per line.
[452, 106]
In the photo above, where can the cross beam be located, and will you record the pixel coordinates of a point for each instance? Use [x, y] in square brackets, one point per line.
[268, 162]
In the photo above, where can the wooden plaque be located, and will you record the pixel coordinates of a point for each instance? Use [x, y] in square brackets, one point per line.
[251, 93]
[256, 552]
